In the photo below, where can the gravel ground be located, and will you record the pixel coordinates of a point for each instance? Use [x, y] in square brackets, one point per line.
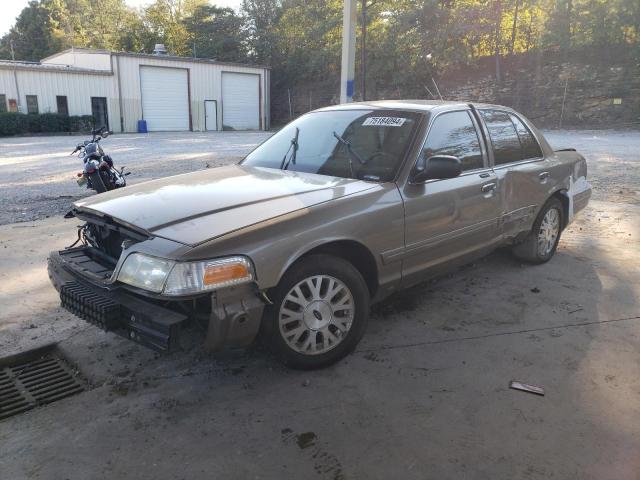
[37, 174]
[613, 160]
[424, 396]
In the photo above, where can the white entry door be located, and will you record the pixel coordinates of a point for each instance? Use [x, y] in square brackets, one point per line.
[165, 98]
[240, 101]
[211, 115]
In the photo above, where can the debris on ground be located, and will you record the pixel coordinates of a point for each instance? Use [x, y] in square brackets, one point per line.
[525, 387]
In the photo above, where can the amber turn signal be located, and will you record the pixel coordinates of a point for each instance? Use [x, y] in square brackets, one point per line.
[216, 273]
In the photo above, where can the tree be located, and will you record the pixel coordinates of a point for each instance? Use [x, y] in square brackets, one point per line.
[217, 33]
[48, 26]
[33, 36]
[301, 39]
[261, 21]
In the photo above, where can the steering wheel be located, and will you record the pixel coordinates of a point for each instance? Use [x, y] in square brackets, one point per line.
[380, 153]
[381, 169]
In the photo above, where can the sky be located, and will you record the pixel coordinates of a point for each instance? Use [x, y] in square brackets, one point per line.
[12, 8]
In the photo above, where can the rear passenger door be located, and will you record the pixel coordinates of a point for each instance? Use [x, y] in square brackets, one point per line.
[449, 218]
[520, 168]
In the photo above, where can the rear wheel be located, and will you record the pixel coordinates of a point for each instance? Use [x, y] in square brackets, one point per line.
[541, 243]
[96, 182]
[319, 313]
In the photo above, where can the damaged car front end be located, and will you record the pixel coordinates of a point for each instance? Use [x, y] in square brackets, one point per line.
[125, 280]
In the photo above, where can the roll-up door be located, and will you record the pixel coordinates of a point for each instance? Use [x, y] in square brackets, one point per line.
[165, 98]
[240, 101]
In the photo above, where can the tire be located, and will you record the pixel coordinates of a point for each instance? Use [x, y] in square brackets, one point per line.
[96, 182]
[306, 326]
[541, 243]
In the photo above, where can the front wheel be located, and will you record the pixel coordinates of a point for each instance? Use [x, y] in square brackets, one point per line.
[319, 313]
[541, 243]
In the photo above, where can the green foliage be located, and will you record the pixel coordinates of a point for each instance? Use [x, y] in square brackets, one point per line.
[45, 27]
[12, 123]
[301, 39]
[216, 33]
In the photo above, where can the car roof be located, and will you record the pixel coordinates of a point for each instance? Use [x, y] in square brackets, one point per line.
[413, 105]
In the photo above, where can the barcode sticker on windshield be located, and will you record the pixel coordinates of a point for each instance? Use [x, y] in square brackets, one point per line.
[384, 121]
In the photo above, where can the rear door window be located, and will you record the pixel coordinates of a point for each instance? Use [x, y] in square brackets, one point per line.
[504, 138]
[453, 133]
[530, 147]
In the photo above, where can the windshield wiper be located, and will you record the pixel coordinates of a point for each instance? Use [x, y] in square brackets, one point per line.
[350, 149]
[352, 153]
[294, 143]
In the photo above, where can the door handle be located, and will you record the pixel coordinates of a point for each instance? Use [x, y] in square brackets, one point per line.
[485, 175]
[543, 176]
[487, 187]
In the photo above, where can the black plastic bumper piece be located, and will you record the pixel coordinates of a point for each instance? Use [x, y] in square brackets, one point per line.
[90, 306]
[117, 311]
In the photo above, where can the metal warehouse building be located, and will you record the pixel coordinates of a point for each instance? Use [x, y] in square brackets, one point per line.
[170, 93]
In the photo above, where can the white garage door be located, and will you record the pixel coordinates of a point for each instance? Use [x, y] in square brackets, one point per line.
[240, 101]
[165, 98]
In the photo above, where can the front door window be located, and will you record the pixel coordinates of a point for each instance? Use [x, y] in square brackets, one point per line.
[454, 134]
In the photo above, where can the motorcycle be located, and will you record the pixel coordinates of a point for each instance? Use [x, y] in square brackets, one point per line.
[99, 173]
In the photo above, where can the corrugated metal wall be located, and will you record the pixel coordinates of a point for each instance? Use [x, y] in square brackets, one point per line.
[204, 84]
[82, 59]
[77, 87]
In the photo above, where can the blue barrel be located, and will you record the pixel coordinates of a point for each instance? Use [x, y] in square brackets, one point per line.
[142, 126]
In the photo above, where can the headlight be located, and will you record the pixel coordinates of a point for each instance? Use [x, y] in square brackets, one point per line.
[142, 271]
[183, 278]
[193, 277]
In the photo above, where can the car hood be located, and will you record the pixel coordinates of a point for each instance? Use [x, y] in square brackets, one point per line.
[199, 206]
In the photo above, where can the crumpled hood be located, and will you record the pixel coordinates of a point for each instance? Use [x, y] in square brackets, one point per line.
[199, 206]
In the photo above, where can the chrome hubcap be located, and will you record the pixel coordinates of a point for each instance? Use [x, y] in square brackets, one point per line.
[316, 315]
[548, 234]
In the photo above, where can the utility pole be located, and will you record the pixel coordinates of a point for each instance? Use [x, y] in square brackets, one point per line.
[347, 72]
[363, 51]
[13, 53]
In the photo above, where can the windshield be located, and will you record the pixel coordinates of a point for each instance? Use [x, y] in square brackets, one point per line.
[362, 144]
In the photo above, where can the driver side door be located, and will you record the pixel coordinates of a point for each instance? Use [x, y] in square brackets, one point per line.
[450, 218]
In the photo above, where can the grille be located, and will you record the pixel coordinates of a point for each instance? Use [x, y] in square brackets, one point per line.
[90, 306]
[26, 384]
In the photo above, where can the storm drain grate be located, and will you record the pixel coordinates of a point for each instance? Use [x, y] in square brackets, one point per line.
[35, 378]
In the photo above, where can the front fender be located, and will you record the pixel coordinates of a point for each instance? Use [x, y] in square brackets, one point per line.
[373, 219]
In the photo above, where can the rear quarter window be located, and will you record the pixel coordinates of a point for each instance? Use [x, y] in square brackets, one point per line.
[530, 147]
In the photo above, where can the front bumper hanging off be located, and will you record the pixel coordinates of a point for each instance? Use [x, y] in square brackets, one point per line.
[233, 319]
[116, 311]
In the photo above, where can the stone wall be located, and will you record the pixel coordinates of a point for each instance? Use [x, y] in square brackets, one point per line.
[584, 89]
[573, 93]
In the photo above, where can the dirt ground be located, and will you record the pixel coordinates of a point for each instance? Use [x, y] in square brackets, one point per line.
[424, 396]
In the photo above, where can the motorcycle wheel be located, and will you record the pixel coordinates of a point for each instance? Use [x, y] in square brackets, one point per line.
[96, 182]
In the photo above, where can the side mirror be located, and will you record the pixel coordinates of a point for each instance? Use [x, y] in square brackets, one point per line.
[438, 167]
